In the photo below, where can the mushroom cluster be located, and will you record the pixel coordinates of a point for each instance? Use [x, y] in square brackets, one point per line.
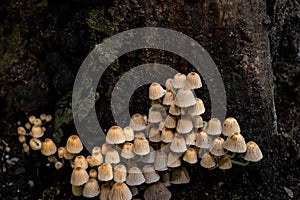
[149, 153]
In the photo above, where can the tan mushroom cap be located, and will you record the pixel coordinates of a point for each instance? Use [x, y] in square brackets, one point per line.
[58, 165]
[37, 122]
[105, 190]
[190, 156]
[217, 147]
[127, 151]
[154, 135]
[160, 163]
[213, 127]
[157, 191]
[22, 138]
[150, 158]
[31, 119]
[112, 156]
[60, 152]
[129, 133]
[48, 147]
[174, 110]
[105, 148]
[80, 161]
[79, 176]
[43, 116]
[179, 81]
[184, 124]
[105, 172]
[151, 176]
[170, 121]
[197, 121]
[74, 144]
[167, 135]
[68, 155]
[178, 144]
[141, 146]
[96, 149]
[173, 160]
[37, 131]
[253, 152]
[35, 144]
[230, 126]
[193, 80]
[77, 190]
[135, 177]
[28, 126]
[156, 91]
[235, 143]
[224, 163]
[137, 122]
[203, 140]
[91, 188]
[165, 178]
[169, 98]
[120, 173]
[184, 98]
[190, 138]
[115, 135]
[120, 191]
[21, 130]
[93, 173]
[180, 176]
[48, 118]
[207, 160]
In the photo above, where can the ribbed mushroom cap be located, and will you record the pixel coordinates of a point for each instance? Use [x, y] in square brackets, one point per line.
[184, 124]
[105, 172]
[129, 133]
[179, 81]
[37, 131]
[157, 191]
[235, 143]
[224, 163]
[151, 176]
[174, 110]
[170, 122]
[190, 138]
[167, 135]
[154, 135]
[184, 98]
[160, 163]
[178, 144]
[253, 152]
[105, 148]
[91, 188]
[105, 190]
[48, 147]
[93, 173]
[169, 98]
[165, 178]
[112, 156]
[77, 190]
[120, 173]
[213, 127]
[230, 126]
[135, 177]
[193, 80]
[120, 191]
[203, 140]
[96, 149]
[197, 121]
[217, 147]
[68, 155]
[207, 160]
[127, 150]
[141, 146]
[21, 130]
[169, 84]
[180, 176]
[96, 159]
[156, 91]
[134, 190]
[137, 122]
[74, 144]
[115, 135]
[79, 176]
[150, 158]
[80, 161]
[190, 156]
[173, 160]
[161, 125]
[35, 144]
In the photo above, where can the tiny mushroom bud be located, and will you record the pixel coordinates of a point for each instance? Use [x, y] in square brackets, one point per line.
[96, 149]
[21, 131]
[156, 91]
[253, 152]
[31, 119]
[60, 152]
[35, 144]
[26, 148]
[193, 80]
[22, 139]
[28, 126]
[58, 165]
[43, 116]
[48, 118]
[48, 147]
[74, 144]
[91, 188]
[93, 173]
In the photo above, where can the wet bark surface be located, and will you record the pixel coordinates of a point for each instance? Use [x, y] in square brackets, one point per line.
[255, 45]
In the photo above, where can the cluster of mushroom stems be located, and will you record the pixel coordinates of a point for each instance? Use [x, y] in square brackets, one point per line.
[149, 153]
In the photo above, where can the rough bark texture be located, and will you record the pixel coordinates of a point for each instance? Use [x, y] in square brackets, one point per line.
[253, 42]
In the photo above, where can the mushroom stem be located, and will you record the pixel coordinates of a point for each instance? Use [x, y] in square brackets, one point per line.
[232, 155]
[240, 163]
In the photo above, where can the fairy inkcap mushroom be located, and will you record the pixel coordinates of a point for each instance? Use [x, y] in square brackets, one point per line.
[112, 156]
[141, 146]
[184, 98]
[93, 173]
[157, 191]
[37, 122]
[150, 157]
[253, 152]
[213, 127]
[217, 147]
[203, 140]
[235, 143]
[190, 156]
[180, 176]
[169, 84]
[135, 177]
[167, 135]
[77, 190]
[156, 91]
[31, 119]
[207, 161]
[80, 161]
[127, 150]
[179, 81]
[151, 176]
[22, 139]
[129, 133]
[105, 172]
[115, 135]
[48, 147]
[178, 144]
[170, 122]
[154, 135]
[224, 163]
[193, 80]
[174, 110]
[137, 122]
[197, 109]
[160, 163]
[58, 165]
[197, 121]
[169, 98]
[120, 191]
[28, 126]
[184, 124]
[21, 130]
[120, 173]
[91, 188]
[230, 126]
[35, 144]
[79, 176]
[190, 138]
[74, 144]
[37, 131]
[48, 118]
[173, 160]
